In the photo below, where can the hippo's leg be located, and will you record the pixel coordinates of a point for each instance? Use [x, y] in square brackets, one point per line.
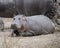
[28, 33]
[12, 33]
[16, 33]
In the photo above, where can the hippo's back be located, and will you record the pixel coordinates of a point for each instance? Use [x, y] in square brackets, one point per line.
[44, 22]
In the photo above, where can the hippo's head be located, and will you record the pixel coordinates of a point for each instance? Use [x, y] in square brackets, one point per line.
[18, 23]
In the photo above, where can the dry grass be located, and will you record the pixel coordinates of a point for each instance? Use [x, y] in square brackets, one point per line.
[42, 41]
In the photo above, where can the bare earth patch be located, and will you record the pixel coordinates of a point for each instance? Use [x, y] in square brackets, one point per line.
[42, 41]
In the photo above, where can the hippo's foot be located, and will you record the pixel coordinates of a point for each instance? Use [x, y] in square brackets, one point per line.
[24, 34]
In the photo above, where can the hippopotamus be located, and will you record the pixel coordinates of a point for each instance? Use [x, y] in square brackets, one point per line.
[36, 7]
[31, 26]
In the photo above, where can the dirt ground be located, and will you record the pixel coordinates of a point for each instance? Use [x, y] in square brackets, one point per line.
[41, 41]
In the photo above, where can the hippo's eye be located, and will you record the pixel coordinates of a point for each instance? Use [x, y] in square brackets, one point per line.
[13, 18]
[18, 18]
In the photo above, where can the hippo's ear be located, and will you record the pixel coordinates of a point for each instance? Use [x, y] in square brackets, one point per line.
[20, 16]
[23, 15]
[24, 19]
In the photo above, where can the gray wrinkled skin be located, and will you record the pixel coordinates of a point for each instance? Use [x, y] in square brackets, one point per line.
[31, 26]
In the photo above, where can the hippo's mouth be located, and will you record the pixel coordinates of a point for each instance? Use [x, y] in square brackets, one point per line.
[13, 27]
[16, 32]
